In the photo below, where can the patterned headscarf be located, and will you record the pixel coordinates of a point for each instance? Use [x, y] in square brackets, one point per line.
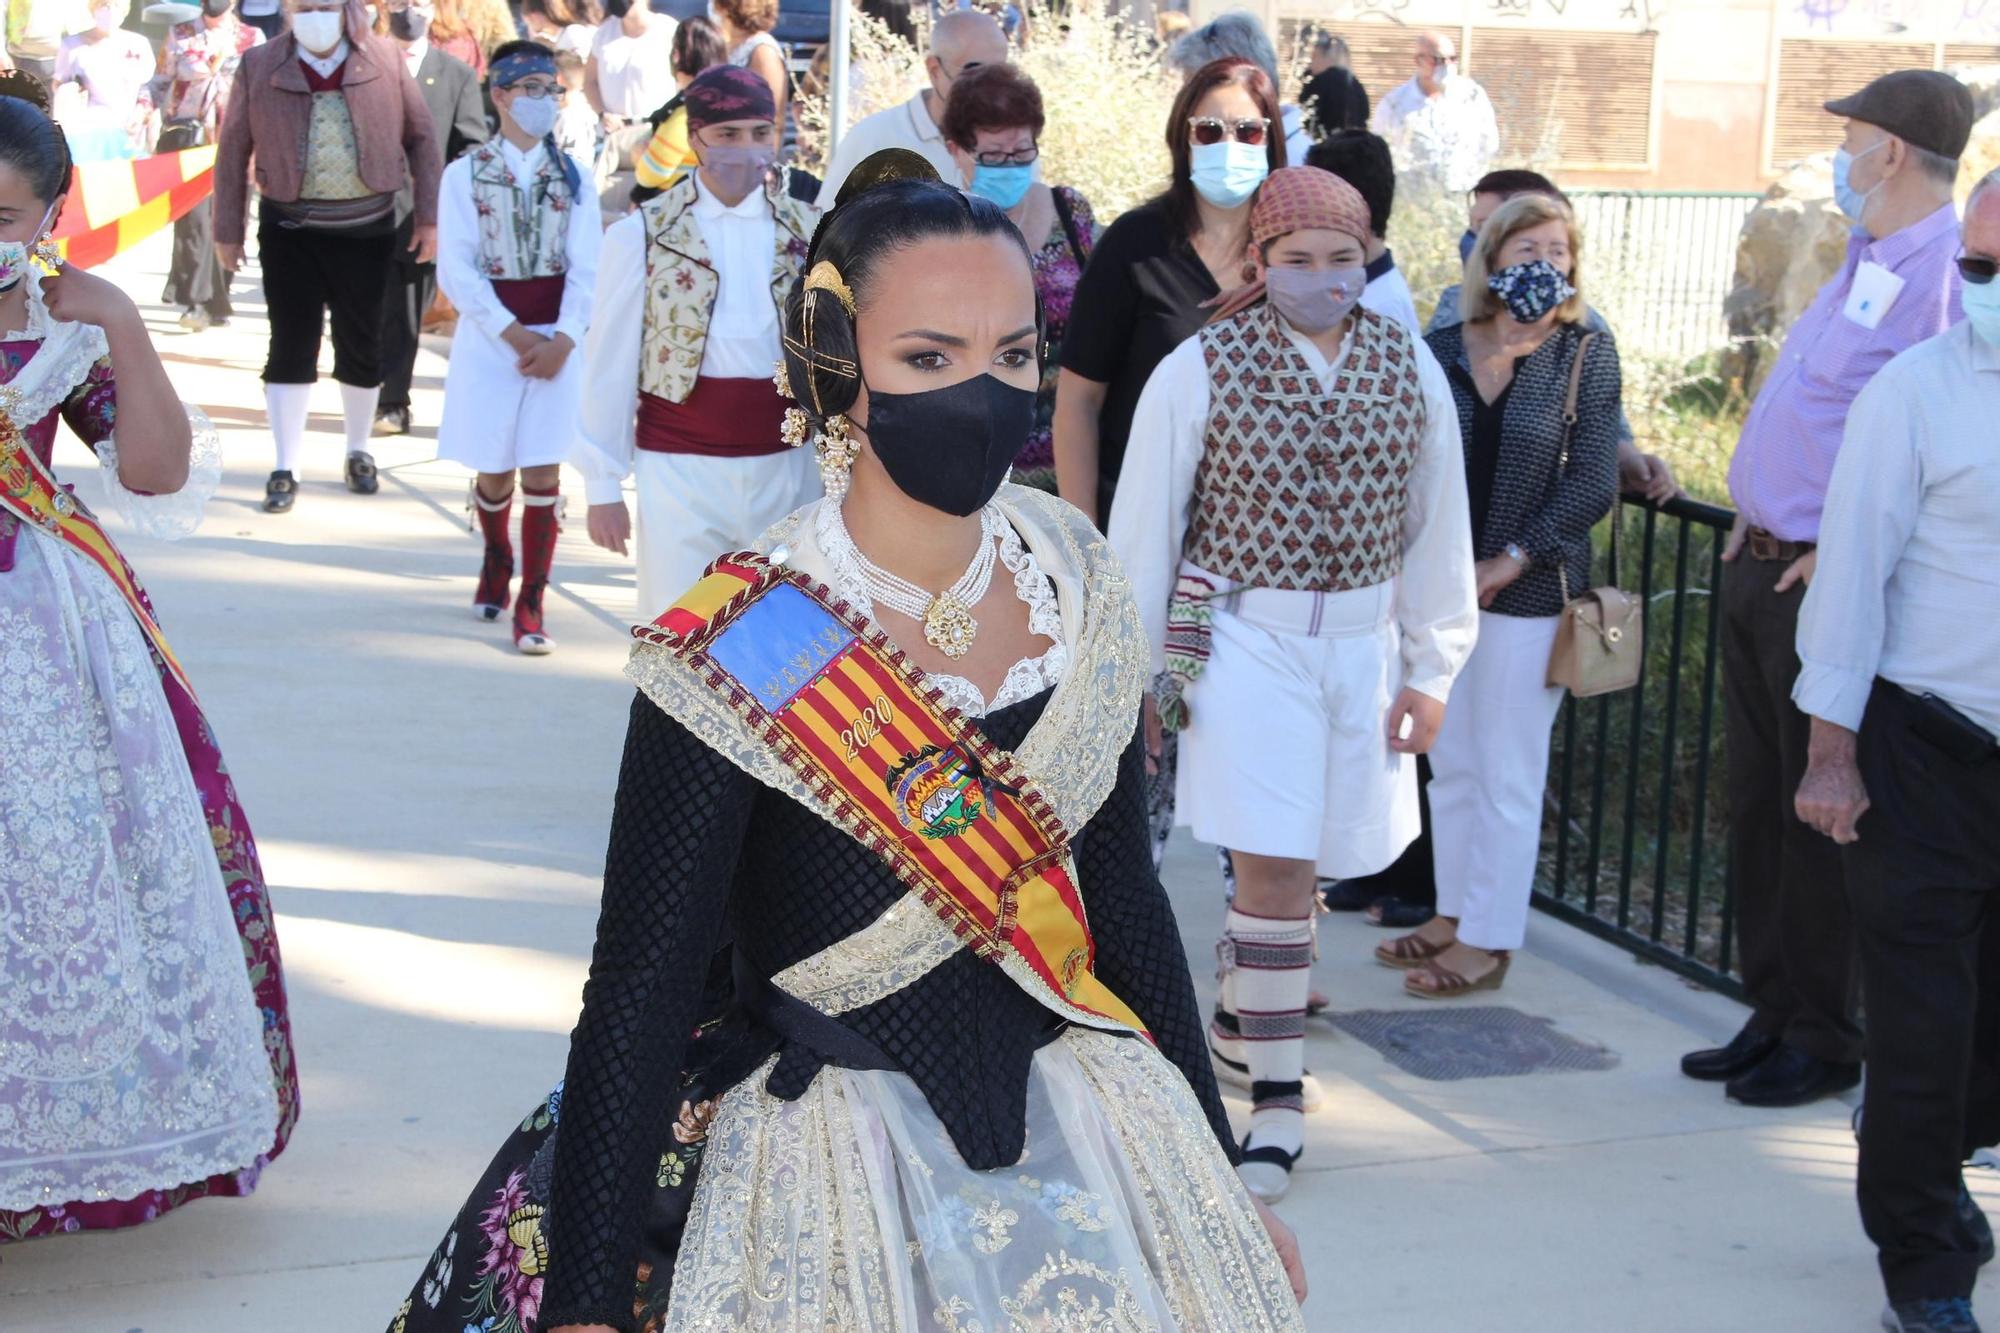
[517, 65]
[728, 92]
[1297, 198]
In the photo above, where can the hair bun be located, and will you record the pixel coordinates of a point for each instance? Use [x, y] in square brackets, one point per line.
[885, 168]
[25, 86]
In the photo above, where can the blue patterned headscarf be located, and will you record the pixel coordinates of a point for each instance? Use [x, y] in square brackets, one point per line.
[517, 65]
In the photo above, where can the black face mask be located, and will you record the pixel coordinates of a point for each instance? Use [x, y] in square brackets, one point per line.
[950, 448]
[407, 25]
[616, 9]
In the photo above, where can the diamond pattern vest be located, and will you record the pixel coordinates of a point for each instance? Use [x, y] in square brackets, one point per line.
[333, 160]
[1299, 489]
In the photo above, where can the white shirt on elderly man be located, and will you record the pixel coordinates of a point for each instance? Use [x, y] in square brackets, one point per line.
[1451, 137]
[1908, 570]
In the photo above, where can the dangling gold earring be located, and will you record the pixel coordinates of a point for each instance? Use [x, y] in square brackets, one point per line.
[837, 451]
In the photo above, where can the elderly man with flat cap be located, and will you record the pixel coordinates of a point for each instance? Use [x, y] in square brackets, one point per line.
[1893, 178]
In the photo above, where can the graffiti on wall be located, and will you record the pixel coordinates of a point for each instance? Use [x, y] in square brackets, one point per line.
[1613, 14]
[1919, 20]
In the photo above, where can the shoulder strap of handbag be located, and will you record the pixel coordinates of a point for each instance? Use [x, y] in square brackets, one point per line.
[1068, 220]
[1562, 465]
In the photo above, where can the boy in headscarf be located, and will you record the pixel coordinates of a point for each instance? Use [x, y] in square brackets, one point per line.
[682, 348]
[518, 236]
[1292, 515]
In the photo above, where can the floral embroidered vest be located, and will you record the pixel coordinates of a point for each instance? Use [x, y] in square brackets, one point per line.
[681, 281]
[523, 228]
[1298, 489]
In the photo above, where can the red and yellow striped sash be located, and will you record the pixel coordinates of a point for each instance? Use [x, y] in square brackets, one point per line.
[953, 815]
[30, 492]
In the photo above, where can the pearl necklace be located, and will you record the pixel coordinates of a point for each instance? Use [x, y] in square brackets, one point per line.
[945, 616]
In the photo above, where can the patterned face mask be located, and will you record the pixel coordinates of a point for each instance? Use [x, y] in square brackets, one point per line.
[1530, 290]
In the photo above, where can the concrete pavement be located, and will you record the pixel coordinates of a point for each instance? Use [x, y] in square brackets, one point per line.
[432, 810]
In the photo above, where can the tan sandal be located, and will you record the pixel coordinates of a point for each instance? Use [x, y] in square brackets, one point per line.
[1408, 951]
[1445, 984]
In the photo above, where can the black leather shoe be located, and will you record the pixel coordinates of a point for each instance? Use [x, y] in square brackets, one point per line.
[279, 492]
[361, 477]
[1745, 1051]
[1790, 1077]
[1936, 1316]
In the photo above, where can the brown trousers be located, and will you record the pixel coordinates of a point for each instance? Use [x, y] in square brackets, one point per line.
[1795, 939]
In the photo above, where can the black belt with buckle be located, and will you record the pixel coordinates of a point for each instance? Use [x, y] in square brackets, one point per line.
[1763, 546]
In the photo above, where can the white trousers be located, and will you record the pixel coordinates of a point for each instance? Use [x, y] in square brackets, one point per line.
[1488, 772]
[1286, 752]
[693, 508]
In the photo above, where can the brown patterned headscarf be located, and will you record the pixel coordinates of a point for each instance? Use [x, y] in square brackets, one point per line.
[1297, 198]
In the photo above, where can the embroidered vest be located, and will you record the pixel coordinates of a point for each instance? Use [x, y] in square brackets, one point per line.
[1298, 489]
[523, 228]
[681, 281]
[333, 159]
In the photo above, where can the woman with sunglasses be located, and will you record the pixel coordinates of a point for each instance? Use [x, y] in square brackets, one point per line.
[887, 765]
[991, 126]
[1156, 266]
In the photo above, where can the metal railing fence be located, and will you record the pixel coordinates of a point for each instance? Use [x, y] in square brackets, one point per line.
[1634, 839]
[1659, 264]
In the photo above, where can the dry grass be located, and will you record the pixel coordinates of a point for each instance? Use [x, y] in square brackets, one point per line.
[1104, 90]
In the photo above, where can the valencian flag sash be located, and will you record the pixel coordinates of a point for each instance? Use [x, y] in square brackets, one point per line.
[115, 205]
[31, 494]
[951, 813]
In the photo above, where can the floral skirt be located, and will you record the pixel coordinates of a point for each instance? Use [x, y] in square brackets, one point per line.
[849, 1209]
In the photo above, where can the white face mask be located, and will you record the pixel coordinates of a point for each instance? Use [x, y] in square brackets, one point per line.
[318, 30]
[105, 18]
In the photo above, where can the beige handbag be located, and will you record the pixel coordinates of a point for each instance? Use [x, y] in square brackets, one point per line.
[1601, 639]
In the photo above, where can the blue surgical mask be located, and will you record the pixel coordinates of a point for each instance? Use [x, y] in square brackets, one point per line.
[1005, 186]
[1982, 309]
[1852, 202]
[1465, 244]
[1229, 172]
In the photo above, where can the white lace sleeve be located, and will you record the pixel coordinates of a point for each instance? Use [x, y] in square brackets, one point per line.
[167, 517]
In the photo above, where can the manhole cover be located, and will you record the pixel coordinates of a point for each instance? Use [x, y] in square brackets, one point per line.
[1488, 1042]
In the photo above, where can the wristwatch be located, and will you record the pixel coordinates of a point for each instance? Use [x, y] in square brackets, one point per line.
[1518, 556]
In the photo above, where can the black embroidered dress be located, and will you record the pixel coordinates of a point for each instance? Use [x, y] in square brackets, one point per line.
[956, 1154]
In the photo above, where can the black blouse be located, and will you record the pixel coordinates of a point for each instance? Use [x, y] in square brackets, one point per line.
[1536, 502]
[1140, 297]
[1482, 449]
[682, 868]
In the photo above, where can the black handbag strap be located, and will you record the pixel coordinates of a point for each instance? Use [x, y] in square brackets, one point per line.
[1068, 220]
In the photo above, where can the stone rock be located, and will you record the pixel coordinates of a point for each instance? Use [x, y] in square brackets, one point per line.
[1789, 246]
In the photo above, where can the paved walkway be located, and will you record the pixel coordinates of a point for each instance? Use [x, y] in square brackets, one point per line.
[432, 810]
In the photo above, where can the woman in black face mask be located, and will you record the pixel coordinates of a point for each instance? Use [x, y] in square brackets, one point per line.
[896, 751]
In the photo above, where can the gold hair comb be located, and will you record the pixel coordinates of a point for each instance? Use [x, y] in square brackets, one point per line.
[826, 278]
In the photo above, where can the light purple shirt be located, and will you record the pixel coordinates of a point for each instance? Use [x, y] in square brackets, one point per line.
[1779, 474]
